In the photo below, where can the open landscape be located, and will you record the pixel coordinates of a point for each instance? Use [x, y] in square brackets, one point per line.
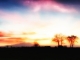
[39, 25]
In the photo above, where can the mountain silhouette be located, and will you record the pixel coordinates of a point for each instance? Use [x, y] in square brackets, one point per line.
[23, 44]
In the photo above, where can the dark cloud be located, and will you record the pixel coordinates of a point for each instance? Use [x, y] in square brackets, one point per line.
[14, 4]
[73, 2]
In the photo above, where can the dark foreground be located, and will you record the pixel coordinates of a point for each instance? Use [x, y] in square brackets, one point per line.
[42, 53]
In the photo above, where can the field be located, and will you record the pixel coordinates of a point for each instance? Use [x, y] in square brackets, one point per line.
[39, 52]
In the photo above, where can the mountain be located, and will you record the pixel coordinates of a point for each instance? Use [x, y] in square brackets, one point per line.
[23, 45]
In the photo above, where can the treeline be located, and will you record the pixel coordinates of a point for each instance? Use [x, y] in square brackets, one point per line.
[59, 39]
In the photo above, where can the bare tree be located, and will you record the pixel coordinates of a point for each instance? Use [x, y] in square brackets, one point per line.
[58, 38]
[72, 39]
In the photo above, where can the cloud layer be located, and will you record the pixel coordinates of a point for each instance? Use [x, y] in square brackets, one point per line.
[49, 6]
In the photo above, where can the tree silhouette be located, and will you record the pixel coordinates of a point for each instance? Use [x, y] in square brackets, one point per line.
[72, 39]
[36, 43]
[58, 38]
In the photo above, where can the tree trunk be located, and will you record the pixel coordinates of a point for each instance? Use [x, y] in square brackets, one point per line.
[58, 43]
[61, 42]
[70, 44]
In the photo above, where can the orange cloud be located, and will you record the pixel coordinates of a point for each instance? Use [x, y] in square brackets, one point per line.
[10, 41]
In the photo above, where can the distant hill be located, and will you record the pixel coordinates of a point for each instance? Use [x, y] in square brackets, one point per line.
[23, 45]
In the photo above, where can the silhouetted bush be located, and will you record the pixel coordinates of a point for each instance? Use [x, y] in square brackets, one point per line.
[36, 45]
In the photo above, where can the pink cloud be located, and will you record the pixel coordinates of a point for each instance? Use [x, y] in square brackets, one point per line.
[48, 5]
[16, 20]
[14, 17]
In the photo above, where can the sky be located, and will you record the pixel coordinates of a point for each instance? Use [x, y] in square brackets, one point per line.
[39, 19]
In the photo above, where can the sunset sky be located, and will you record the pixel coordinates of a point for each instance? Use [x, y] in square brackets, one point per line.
[40, 19]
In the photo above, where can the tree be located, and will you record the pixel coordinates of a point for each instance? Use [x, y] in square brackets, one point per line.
[72, 39]
[58, 38]
[36, 43]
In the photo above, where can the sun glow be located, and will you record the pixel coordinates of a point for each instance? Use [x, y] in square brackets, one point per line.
[48, 32]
